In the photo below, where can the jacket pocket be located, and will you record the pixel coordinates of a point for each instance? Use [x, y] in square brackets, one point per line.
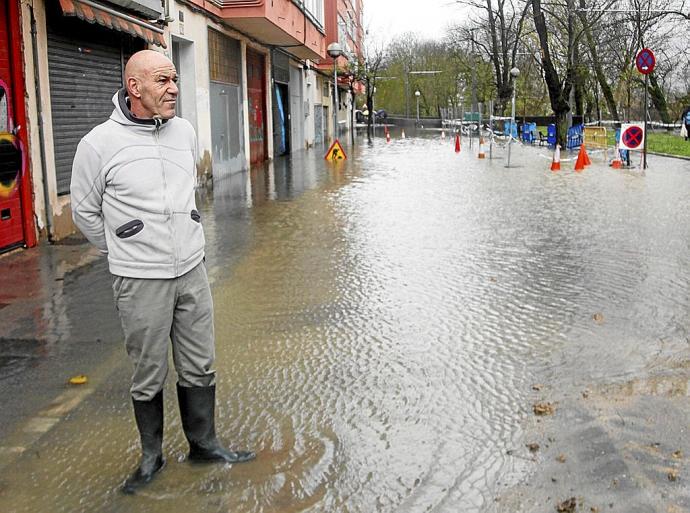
[129, 229]
[189, 234]
[196, 216]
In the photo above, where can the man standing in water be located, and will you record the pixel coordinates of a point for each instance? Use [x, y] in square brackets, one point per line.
[133, 197]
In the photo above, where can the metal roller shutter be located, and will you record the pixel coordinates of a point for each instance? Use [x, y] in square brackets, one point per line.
[85, 65]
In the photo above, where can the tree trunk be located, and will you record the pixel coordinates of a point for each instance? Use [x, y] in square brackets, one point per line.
[598, 69]
[353, 127]
[372, 111]
[658, 99]
[579, 84]
[562, 128]
[558, 95]
[504, 98]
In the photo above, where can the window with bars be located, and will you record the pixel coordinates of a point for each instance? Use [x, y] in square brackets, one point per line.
[223, 58]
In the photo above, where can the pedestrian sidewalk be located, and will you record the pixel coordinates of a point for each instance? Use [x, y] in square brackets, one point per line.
[57, 320]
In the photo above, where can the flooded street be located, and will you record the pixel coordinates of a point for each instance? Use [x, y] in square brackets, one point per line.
[380, 326]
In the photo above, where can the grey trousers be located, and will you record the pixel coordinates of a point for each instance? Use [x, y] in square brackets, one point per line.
[155, 312]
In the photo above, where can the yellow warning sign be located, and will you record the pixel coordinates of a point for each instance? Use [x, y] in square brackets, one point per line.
[336, 152]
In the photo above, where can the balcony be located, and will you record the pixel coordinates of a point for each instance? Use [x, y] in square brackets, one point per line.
[281, 23]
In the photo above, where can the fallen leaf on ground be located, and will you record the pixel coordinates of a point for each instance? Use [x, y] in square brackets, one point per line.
[598, 317]
[543, 409]
[78, 380]
[673, 475]
[678, 454]
[567, 506]
[537, 387]
[533, 447]
[561, 458]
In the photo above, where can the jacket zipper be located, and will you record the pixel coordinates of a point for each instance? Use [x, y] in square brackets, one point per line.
[168, 208]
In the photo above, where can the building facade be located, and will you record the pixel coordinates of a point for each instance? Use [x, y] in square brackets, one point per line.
[16, 207]
[254, 81]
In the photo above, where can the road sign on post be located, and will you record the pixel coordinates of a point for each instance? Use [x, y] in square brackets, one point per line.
[632, 137]
[645, 61]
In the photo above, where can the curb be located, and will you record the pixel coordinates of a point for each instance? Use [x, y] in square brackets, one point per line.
[681, 157]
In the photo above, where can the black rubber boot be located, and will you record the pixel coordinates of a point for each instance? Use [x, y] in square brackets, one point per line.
[197, 410]
[149, 417]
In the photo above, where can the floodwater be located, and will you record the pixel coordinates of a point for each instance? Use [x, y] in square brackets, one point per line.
[380, 323]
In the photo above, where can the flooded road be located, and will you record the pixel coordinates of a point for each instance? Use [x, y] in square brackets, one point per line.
[380, 324]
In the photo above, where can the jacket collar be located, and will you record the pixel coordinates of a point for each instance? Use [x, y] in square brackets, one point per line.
[123, 103]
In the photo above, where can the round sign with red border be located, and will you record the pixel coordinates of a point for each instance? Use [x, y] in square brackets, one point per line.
[632, 137]
[645, 61]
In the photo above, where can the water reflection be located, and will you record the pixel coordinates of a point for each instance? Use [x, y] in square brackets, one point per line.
[380, 322]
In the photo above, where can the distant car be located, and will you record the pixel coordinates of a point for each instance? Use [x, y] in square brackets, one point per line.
[363, 116]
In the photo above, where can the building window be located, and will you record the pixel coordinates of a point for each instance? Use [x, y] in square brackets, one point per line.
[222, 66]
[313, 7]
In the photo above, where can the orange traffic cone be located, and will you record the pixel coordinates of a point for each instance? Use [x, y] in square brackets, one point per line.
[388, 135]
[481, 154]
[587, 161]
[581, 159]
[556, 163]
[457, 143]
[617, 162]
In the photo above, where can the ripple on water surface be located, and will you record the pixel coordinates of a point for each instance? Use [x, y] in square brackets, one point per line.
[381, 325]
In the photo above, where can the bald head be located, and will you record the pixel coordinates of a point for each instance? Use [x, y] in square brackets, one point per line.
[150, 78]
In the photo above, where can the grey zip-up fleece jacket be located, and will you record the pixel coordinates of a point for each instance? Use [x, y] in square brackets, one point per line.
[133, 194]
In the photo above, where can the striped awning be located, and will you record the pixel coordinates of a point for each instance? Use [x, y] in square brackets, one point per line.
[95, 13]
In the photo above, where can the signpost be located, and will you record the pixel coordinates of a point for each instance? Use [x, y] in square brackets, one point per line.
[645, 62]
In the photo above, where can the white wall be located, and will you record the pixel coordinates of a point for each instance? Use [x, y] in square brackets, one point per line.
[57, 204]
[195, 28]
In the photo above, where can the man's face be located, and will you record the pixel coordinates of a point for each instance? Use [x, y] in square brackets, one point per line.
[158, 89]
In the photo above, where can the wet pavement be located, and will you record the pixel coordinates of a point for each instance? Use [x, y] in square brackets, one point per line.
[384, 327]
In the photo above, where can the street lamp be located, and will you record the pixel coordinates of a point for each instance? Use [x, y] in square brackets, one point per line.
[514, 73]
[417, 94]
[334, 51]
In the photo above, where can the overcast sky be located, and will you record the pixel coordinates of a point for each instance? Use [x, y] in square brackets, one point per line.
[427, 17]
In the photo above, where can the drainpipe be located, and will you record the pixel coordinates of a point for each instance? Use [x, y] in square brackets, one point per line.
[41, 135]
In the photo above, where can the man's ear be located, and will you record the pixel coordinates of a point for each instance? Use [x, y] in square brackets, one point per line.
[133, 87]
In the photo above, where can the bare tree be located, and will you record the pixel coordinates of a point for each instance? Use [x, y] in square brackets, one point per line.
[367, 71]
[497, 32]
[560, 89]
[588, 22]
